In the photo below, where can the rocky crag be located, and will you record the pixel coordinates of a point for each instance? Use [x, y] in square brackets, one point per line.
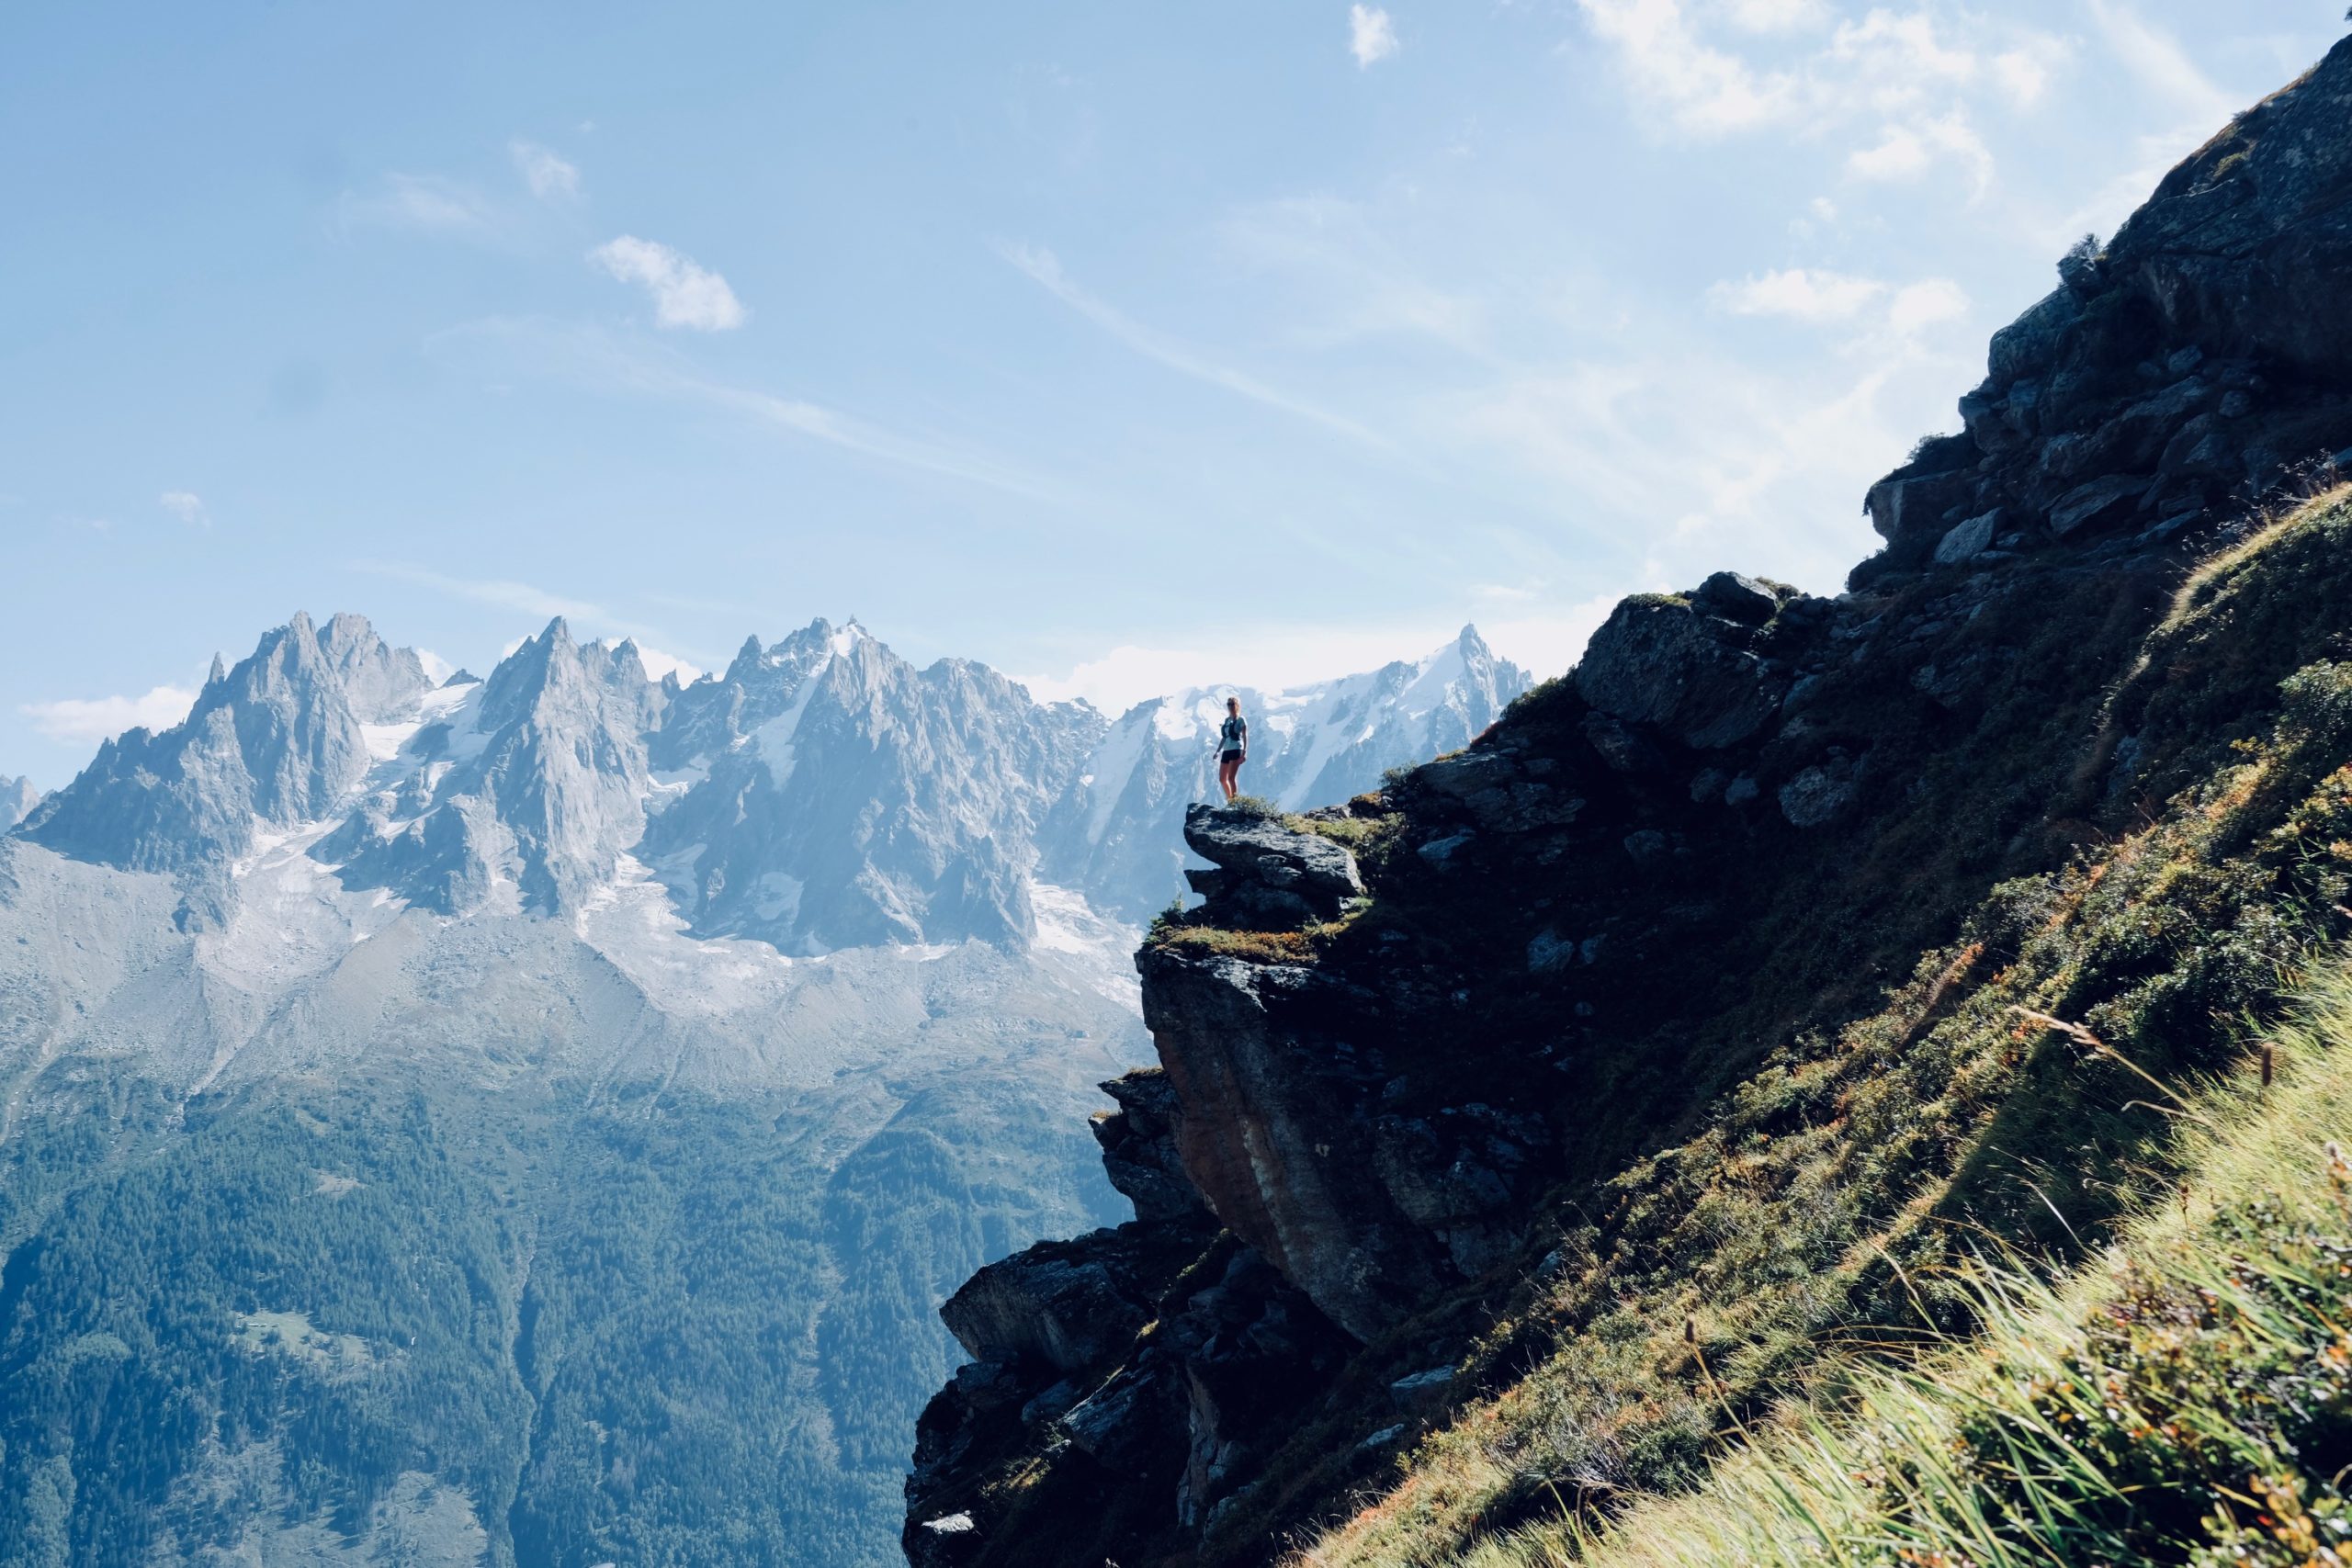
[1517, 1121]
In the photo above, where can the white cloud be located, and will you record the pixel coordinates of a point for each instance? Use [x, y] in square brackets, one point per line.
[1704, 91]
[1799, 293]
[2024, 74]
[1547, 644]
[1899, 155]
[1906, 79]
[685, 294]
[85, 720]
[420, 203]
[185, 505]
[2158, 59]
[1372, 37]
[1776, 16]
[1930, 302]
[1905, 152]
[550, 176]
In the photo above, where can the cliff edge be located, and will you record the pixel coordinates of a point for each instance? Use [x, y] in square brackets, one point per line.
[1525, 1129]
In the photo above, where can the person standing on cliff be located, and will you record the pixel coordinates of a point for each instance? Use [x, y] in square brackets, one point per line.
[1233, 748]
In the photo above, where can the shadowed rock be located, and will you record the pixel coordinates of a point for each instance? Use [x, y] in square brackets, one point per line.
[1268, 877]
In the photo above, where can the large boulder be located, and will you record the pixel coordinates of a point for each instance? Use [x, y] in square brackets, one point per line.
[1268, 875]
[1658, 660]
[1066, 1305]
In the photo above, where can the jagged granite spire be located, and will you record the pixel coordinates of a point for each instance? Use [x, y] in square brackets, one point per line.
[276, 741]
[17, 799]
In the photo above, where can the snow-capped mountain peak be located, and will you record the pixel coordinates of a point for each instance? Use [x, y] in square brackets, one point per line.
[820, 794]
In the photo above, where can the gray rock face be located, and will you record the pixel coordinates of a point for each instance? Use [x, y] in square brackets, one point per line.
[1268, 877]
[1968, 538]
[1659, 662]
[533, 787]
[1736, 598]
[845, 797]
[17, 799]
[277, 740]
[1140, 1153]
[1060, 1305]
[1816, 795]
[1116, 832]
[1278, 1145]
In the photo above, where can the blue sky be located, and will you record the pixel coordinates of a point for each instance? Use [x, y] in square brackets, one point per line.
[1119, 345]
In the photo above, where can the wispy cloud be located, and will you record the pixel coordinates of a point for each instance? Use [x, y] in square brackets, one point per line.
[1352, 282]
[1703, 90]
[504, 593]
[1799, 294]
[596, 359]
[185, 505]
[1372, 37]
[1776, 16]
[1897, 87]
[586, 616]
[418, 203]
[2161, 64]
[552, 176]
[2168, 75]
[1044, 269]
[684, 293]
[83, 720]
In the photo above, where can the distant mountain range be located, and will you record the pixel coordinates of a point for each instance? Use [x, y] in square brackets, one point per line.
[563, 972]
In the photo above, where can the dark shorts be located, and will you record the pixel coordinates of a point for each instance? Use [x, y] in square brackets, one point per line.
[1229, 757]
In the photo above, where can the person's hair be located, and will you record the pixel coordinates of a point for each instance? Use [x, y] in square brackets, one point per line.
[1233, 702]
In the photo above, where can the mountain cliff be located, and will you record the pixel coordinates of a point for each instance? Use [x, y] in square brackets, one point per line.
[1527, 1132]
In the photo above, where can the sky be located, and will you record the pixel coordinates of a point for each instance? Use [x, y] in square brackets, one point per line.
[1121, 347]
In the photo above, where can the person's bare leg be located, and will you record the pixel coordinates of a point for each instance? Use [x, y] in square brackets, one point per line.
[1228, 776]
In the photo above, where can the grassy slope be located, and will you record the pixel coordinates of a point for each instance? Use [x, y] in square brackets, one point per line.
[2187, 1397]
[1697, 1289]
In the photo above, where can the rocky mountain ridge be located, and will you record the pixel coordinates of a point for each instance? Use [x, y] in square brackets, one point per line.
[1673, 1032]
[820, 794]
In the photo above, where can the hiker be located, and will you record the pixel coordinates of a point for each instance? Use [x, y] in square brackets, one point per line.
[1233, 748]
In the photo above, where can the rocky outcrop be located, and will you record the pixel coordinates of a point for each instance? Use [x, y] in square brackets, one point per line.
[1266, 876]
[2186, 368]
[1139, 1152]
[1706, 670]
